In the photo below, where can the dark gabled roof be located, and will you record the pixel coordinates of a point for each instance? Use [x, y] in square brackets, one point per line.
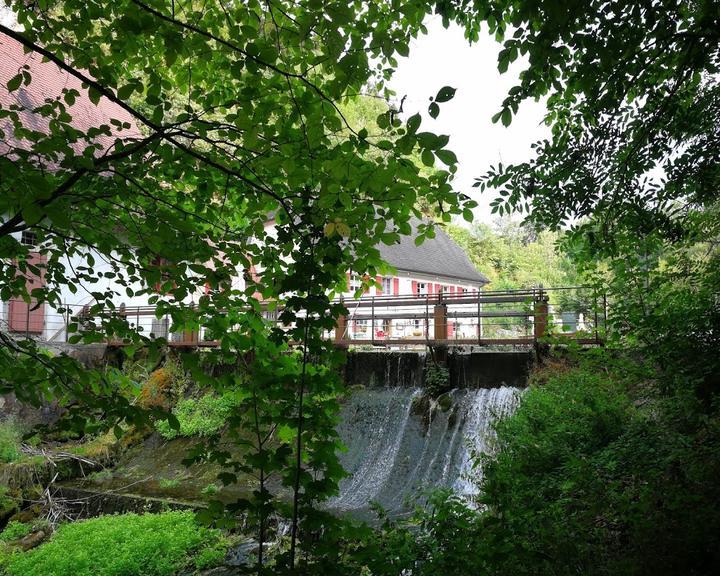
[439, 256]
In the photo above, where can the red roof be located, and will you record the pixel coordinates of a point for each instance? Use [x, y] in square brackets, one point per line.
[47, 83]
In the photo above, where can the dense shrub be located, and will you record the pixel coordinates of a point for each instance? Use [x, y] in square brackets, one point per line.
[597, 473]
[125, 545]
[200, 416]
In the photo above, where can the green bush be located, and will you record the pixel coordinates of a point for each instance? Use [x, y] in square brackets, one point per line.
[597, 473]
[125, 545]
[200, 416]
[9, 441]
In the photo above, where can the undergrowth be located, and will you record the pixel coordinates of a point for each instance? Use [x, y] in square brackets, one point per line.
[124, 545]
[201, 416]
[9, 441]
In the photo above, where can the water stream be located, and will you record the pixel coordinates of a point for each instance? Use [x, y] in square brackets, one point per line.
[399, 444]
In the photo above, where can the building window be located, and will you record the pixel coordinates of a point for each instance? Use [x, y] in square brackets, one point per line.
[387, 285]
[355, 282]
[28, 238]
[422, 288]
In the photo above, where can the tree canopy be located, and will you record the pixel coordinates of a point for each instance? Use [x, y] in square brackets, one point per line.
[239, 113]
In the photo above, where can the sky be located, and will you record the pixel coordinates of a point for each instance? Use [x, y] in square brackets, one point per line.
[444, 58]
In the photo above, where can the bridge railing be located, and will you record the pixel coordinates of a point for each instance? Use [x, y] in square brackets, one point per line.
[411, 320]
[497, 317]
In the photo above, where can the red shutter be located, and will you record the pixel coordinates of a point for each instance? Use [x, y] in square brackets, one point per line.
[437, 288]
[415, 287]
[22, 316]
[452, 289]
[396, 286]
[378, 289]
[451, 329]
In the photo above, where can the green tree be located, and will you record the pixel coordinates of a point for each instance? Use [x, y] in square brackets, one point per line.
[239, 109]
[632, 166]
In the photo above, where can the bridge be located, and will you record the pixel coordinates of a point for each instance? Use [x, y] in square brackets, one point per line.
[504, 317]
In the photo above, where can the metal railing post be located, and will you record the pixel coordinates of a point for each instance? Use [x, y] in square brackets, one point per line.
[427, 317]
[479, 325]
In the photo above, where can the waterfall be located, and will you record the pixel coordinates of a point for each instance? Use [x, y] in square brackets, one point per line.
[400, 443]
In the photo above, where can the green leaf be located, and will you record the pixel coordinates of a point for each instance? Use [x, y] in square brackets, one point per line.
[506, 117]
[413, 123]
[434, 110]
[14, 83]
[447, 156]
[428, 158]
[445, 94]
[32, 214]
[124, 92]
[94, 95]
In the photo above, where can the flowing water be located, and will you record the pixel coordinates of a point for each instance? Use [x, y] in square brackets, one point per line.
[400, 444]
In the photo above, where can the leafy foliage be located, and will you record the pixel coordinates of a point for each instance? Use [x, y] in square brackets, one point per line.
[627, 86]
[152, 544]
[235, 121]
[589, 479]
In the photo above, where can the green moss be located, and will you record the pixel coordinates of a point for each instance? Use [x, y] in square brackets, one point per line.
[15, 531]
[129, 544]
[166, 483]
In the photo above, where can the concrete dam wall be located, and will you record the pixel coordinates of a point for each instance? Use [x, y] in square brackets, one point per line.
[467, 370]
